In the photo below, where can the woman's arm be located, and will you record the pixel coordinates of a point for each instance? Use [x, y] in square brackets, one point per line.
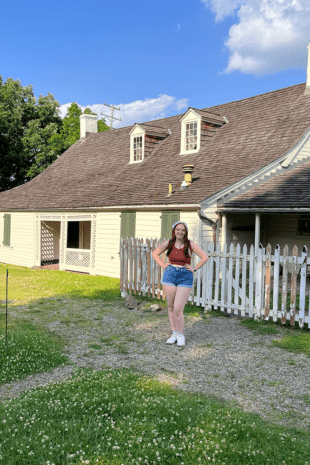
[161, 249]
[198, 251]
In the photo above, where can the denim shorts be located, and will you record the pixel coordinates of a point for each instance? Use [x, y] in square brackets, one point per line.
[177, 277]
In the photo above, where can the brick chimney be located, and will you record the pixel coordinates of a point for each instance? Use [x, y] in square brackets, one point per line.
[308, 72]
[88, 125]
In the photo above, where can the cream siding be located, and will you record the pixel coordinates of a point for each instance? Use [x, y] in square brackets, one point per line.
[148, 224]
[22, 249]
[206, 229]
[107, 244]
[192, 221]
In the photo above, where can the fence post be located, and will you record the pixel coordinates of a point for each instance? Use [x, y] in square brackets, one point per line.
[258, 282]
[293, 286]
[303, 278]
[276, 269]
[126, 266]
[121, 264]
[267, 282]
[284, 285]
[236, 281]
[251, 281]
[135, 265]
[217, 274]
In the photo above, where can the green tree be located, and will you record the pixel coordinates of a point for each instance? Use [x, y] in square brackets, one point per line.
[26, 130]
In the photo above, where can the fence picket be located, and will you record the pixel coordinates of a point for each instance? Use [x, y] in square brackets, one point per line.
[276, 270]
[204, 281]
[236, 281]
[284, 285]
[251, 281]
[126, 266]
[303, 279]
[244, 303]
[223, 283]
[135, 266]
[229, 281]
[121, 257]
[258, 280]
[267, 282]
[293, 286]
[158, 268]
[210, 264]
[217, 274]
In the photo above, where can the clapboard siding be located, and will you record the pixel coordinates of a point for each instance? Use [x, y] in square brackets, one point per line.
[192, 221]
[283, 230]
[206, 229]
[21, 249]
[148, 224]
[107, 244]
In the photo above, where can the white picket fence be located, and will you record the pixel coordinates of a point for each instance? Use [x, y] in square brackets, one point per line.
[262, 285]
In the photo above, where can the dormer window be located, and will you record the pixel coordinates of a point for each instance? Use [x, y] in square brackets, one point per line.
[191, 136]
[196, 127]
[137, 148]
[143, 140]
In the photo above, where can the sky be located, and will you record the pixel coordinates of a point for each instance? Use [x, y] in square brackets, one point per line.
[154, 59]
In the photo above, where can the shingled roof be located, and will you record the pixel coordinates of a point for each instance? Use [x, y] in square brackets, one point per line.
[95, 172]
[290, 190]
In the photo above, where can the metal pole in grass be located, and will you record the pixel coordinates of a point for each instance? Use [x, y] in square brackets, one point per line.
[6, 310]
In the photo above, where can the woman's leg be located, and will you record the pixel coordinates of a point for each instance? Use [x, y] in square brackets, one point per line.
[181, 297]
[170, 292]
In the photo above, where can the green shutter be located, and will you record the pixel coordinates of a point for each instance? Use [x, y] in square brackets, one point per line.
[7, 230]
[167, 220]
[128, 224]
[132, 225]
[164, 225]
[124, 225]
[174, 217]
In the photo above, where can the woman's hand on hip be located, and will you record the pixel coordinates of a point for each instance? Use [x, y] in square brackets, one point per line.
[189, 268]
[167, 264]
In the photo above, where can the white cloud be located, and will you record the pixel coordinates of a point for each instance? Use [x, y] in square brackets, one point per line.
[269, 35]
[223, 8]
[138, 111]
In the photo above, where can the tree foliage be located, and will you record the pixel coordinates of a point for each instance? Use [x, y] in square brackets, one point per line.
[32, 133]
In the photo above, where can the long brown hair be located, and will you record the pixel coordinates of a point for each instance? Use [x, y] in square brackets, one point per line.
[187, 244]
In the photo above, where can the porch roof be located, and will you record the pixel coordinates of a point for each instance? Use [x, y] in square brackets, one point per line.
[287, 192]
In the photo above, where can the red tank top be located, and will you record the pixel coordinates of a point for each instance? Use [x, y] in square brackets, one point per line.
[178, 257]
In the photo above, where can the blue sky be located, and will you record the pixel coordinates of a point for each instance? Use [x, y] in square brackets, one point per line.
[154, 59]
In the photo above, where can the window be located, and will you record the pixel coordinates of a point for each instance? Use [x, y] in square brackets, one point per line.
[191, 136]
[7, 229]
[79, 235]
[137, 149]
[304, 225]
[128, 224]
[167, 220]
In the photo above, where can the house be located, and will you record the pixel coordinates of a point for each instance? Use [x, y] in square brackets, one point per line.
[247, 171]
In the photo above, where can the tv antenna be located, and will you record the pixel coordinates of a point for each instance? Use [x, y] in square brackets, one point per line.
[111, 117]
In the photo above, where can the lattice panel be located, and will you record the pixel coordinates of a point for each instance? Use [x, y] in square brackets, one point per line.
[63, 239]
[77, 258]
[93, 240]
[37, 239]
[50, 236]
[79, 218]
[51, 218]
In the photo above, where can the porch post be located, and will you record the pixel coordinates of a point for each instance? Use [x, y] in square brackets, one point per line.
[257, 231]
[224, 230]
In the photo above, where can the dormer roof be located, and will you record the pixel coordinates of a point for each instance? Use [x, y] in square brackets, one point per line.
[151, 130]
[206, 116]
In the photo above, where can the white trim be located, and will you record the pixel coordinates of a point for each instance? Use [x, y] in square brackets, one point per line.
[183, 136]
[132, 137]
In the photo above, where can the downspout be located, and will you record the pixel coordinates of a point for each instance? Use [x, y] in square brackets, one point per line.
[212, 223]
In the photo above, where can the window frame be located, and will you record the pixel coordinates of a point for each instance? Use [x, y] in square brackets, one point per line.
[299, 230]
[132, 142]
[196, 120]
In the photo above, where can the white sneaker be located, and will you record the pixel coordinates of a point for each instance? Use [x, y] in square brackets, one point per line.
[172, 339]
[180, 340]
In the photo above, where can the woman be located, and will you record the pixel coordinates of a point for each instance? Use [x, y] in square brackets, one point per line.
[177, 281]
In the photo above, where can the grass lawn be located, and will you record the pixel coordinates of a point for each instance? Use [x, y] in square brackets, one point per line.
[118, 416]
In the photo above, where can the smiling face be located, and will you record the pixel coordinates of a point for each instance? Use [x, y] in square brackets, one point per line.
[180, 231]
